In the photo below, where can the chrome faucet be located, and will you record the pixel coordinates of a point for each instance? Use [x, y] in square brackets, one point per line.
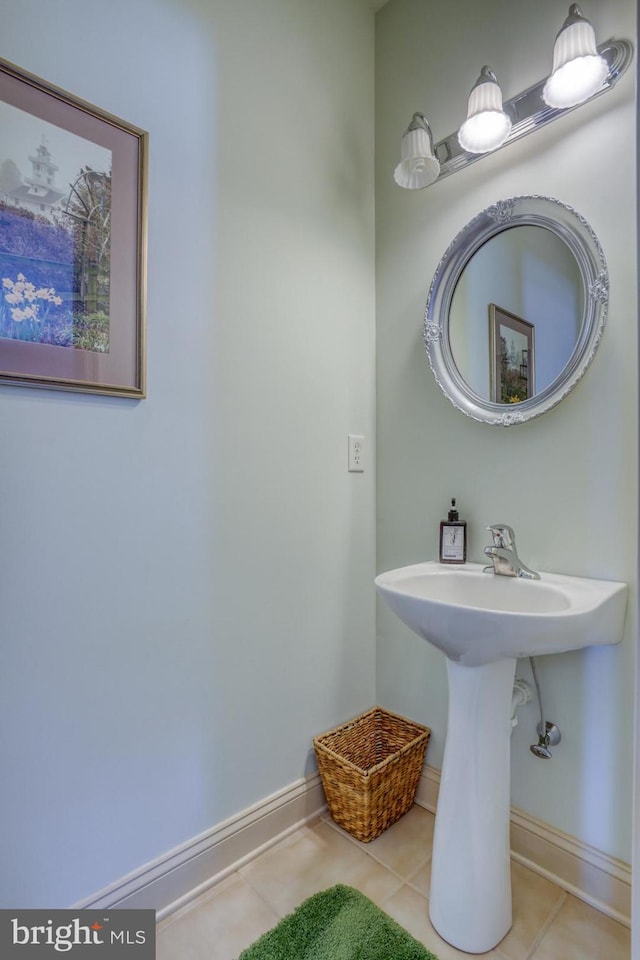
[505, 561]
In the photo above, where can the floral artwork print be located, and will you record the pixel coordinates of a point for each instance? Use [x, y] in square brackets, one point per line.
[55, 235]
[73, 242]
[24, 318]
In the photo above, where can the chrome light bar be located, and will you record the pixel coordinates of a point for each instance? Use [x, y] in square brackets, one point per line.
[529, 112]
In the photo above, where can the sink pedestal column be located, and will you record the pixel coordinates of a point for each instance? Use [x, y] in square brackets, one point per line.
[470, 900]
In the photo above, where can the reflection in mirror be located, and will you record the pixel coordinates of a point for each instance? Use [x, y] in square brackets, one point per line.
[526, 273]
[512, 357]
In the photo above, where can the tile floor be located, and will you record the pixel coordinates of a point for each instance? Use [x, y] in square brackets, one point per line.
[393, 871]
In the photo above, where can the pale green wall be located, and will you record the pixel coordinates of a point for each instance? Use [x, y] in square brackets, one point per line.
[186, 587]
[567, 481]
[186, 590]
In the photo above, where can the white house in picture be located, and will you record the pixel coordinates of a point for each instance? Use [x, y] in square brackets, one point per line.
[38, 192]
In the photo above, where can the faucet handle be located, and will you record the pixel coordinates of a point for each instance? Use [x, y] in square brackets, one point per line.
[503, 536]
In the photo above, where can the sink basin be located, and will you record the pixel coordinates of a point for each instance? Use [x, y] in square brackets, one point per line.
[483, 623]
[477, 618]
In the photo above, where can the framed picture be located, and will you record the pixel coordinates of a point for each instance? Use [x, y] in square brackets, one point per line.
[511, 356]
[73, 210]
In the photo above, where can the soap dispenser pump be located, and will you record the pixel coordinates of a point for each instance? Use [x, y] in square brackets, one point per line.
[453, 537]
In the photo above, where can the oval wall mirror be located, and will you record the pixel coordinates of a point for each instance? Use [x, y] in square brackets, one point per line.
[516, 310]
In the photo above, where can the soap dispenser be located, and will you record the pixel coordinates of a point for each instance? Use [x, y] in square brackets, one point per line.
[453, 537]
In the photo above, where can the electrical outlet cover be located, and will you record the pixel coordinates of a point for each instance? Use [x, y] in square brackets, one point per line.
[356, 453]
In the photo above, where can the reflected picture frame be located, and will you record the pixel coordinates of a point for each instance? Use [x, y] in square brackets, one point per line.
[511, 357]
[73, 242]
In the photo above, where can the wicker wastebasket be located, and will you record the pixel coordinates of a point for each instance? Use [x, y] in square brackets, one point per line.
[370, 767]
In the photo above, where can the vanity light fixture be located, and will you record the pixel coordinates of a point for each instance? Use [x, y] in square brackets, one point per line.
[418, 167]
[578, 69]
[575, 53]
[487, 125]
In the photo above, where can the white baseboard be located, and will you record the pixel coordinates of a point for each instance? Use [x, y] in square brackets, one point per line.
[587, 873]
[172, 880]
[428, 787]
[177, 877]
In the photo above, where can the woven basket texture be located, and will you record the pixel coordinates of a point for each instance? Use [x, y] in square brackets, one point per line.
[370, 768]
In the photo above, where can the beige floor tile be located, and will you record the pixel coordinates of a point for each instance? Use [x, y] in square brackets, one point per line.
[406, 845]
[535, 902]
[211, 894]
[581, 933]
[313, 859]
[220, 924]
[411, 911]
[548, 924]
[421, 879]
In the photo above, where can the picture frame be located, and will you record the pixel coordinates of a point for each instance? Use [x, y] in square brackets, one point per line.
[511, 356]
[73, 242]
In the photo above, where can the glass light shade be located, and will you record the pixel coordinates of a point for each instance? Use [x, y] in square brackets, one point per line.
[418, 166]
[578, 70]
[487, 125]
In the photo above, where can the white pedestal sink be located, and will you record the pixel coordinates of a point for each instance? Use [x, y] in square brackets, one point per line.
[483, 623]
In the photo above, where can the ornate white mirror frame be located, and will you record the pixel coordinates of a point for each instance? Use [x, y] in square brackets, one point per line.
[563, 221]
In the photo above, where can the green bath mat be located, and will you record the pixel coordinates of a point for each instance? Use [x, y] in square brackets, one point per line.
[337, 924]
